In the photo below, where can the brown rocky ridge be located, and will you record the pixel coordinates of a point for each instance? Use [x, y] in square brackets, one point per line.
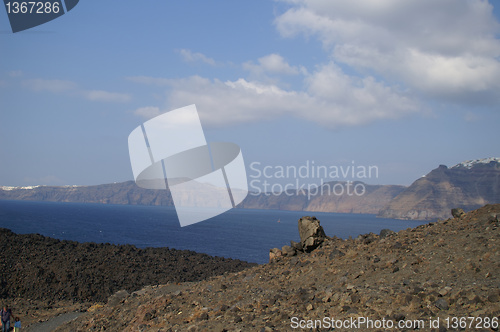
[469, 185]
[327, 198]
[442, 270]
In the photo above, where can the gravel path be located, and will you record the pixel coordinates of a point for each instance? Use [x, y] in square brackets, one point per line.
[53, 323]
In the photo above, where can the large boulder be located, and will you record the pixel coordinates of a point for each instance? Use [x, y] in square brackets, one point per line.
[311, 233]
[457, 213]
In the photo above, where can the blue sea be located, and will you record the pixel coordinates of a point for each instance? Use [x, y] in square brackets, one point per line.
[239, 233]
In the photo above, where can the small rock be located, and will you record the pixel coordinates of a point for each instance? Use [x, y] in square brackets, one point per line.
[441, 304]
[288, 251]
[203, 316]
[444, 291]
[336, 253]
[296, 245]
[346, 308]
[493, 297]
[117, 297]
[150, 315]
[309, 307]
[476, 300]
[352, 311]
[386, 232]
[274, 254]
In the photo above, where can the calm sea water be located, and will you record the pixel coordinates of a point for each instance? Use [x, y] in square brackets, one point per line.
[242, 234]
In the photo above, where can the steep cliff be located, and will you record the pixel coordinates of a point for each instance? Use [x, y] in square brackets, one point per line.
[342, 197]
[467, 185]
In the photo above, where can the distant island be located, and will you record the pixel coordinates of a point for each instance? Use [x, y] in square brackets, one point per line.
[468, 185]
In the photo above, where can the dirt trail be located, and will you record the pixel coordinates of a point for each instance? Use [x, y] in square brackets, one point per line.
[53, 323]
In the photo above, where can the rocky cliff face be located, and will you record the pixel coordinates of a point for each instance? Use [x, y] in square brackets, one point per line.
[342, 197]
[339, 197]
[467, 185]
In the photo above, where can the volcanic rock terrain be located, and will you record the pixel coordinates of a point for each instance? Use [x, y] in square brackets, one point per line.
[442, 270]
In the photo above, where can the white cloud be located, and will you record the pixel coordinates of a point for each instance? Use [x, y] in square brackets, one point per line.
[444, 49]
[71, 88]
[272, 63]
[331, 99]
[355, 100]
[189, 56]
[100, 95]
[402, 54]
[148, 112]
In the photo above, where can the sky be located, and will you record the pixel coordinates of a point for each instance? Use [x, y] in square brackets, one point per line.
[400, 85]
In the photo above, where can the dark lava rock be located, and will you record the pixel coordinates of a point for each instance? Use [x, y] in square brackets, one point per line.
[41, 268]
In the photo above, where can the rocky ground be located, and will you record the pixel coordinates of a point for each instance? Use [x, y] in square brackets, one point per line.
[444, 270]
[42, 277]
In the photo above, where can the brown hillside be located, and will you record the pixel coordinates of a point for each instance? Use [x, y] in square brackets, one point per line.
[448, 269]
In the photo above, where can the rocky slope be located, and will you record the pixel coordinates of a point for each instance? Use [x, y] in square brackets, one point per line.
[443, 270]
[468, 185]
[41, 268]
